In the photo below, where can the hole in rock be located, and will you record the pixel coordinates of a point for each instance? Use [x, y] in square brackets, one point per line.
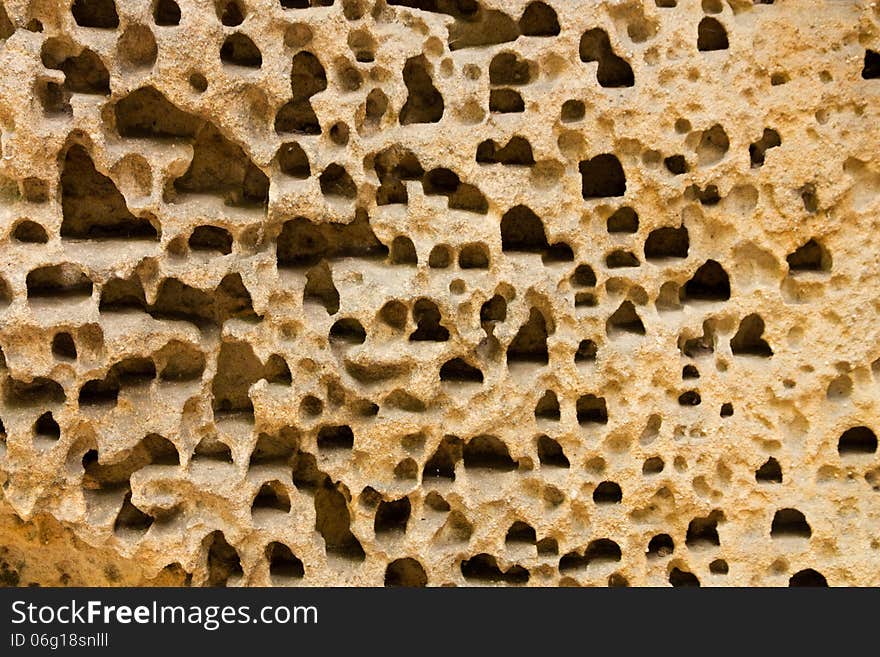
[789, 522]
[40, 391]
[137, 47]
[522, 230]
[30, 232]
[424, 104]
[709, 283]
[624, 320]
[394, 313]
[272, 495]
[335, 181]
[748, 340]
[487, 453]
[620, 258]
[602, 176]
[131, 518]
[335, 437]
[403, 251]
[711, 35]
[520, 532]
[607, 492]
[459, 371]
[809, 198]
[392, 516]
[757, 150]
[442, 462]
[47, 427]
[333, 522]
[166, 13]
[494, 310]
[808, 577]
[180, 361]
[660, 545]
[505, 101]
[667, 242]
[713, 146]
[539, 20]
[770, 471]
[293, 161]
[602, 550]
[58, 281]
[95, 13]
[547, 407]
[551, 454]
[623, 220]
[680, 577]
[718, 567]
[507, 68]
[406, 572]
[572, 110]
[407, 469]
[473, 256]
[63, 346]
[307, 78]
[517, 152]
[676, 164]
[238, 368]
[230, 13]
[218, 166]
[223, 560]
[35, 190]
[339, 133]
[586, 351]
[427, 317]
[238, 49]
[283, 562]
[211, 238]
[530, 343]
[857, 440]
[347, 330]
[810, 256]
[704, 530]
[871, 68]
[584, 276]
[92, 206]
[653, 465]
[612, 71]
[84, 73]
[280, 448]
[484, 568]
[476, 26]
[591, 409]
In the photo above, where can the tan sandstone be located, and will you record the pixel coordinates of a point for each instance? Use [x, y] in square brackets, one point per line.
[444, 292]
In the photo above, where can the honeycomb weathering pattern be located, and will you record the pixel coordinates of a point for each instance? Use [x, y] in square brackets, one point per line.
[445, 292]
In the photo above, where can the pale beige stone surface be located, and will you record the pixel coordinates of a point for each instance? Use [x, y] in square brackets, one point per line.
[244, 267]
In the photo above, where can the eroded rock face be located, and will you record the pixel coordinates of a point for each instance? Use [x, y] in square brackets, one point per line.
[440, 292]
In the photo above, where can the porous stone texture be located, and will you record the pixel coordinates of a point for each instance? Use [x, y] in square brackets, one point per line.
[444, 292]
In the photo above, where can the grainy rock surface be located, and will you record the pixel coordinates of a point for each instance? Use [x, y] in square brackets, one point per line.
[440, 292]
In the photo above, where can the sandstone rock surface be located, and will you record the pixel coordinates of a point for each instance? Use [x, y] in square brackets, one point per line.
[444, 292]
